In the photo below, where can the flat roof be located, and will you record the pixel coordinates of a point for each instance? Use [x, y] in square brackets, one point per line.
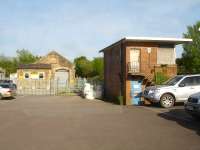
[174, 41]
[158, 39]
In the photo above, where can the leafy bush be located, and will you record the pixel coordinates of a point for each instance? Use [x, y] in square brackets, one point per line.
[120, 100]
[160, 78]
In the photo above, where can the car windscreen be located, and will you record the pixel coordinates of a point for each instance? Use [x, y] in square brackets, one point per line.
[174, 80]
[4, 85]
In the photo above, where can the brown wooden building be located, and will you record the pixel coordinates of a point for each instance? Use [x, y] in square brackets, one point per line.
[132, 63]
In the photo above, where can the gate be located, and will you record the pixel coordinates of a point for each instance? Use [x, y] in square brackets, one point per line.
[49, 87]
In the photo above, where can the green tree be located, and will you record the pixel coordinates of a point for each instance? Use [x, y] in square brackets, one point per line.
[98, 67]
[90, 69]
[26, 57]
[83, 66]
[10, 64]
[7, 64]
[190, 62]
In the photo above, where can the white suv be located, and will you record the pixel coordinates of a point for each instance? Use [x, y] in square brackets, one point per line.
[177, 89]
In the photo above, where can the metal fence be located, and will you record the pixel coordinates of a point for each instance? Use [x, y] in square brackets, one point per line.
[49, 87]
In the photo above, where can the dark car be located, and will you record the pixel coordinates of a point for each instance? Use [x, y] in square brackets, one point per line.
[192, 105]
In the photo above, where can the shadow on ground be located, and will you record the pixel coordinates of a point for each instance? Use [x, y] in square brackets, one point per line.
[8, 98]
[182, 118]
[157, 105]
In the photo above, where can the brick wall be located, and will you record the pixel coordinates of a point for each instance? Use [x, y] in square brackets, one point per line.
[112, 71]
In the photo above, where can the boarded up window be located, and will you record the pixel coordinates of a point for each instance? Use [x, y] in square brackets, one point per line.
[166, 56]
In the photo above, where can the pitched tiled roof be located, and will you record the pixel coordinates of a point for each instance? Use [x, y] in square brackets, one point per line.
[34, 66]
[61, 59]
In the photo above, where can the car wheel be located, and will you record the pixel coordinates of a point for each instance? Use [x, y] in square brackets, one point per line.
[167, 100]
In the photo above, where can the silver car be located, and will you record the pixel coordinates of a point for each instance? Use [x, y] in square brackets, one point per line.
[177, 89]
[7, 90]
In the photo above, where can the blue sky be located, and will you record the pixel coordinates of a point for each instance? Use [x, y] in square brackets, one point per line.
[82, 27]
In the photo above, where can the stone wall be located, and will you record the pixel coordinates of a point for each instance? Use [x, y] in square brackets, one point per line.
[59, 62]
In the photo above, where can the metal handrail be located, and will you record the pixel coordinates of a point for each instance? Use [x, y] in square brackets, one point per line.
[134, 67]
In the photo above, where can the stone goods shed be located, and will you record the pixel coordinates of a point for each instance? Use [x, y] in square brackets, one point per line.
[50, 69]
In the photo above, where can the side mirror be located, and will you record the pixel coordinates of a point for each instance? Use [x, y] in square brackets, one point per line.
[181, 85]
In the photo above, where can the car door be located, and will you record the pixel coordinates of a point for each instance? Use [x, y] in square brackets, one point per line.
[196, 84]
[13, 89]
[0, 91]
[185, 88]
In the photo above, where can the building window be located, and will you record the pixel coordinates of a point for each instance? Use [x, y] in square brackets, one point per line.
[26, 76]
[166, 56]
[41, 76]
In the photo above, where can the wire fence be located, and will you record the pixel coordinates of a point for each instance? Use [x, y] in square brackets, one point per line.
[50, 87]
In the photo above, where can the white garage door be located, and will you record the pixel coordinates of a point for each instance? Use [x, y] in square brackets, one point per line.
[62, 77]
